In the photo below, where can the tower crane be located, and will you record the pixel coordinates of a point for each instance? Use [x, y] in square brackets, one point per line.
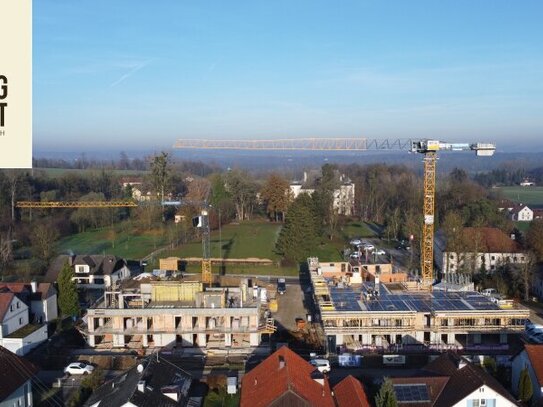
[429, 148]
[201, 221]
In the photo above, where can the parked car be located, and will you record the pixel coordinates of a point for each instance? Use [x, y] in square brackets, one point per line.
[380, 252]
[281, 286]
[355, 242]
[368, 247]
[355, 255]
[78, 368]
[323, 365]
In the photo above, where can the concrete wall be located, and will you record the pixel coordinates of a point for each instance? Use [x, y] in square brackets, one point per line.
[21, 397]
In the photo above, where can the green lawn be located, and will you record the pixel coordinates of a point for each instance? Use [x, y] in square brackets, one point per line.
[532, 196]
[254, 238]
[129, 244]
[357, 229]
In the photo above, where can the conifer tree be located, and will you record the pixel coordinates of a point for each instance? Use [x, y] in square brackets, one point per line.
[68, 300]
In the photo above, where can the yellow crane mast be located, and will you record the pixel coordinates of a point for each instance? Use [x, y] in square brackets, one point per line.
[427, 147]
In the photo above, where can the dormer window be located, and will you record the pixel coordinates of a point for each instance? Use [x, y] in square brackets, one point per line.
[81, 269]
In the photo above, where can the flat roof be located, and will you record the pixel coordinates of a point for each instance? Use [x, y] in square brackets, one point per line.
[350, 298]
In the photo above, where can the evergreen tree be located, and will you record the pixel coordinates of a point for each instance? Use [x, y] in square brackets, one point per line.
[525, 390]
[386, 396]
[299, 235]
[68, 300]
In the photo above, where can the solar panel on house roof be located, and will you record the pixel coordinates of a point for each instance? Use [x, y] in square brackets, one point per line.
[411, 393]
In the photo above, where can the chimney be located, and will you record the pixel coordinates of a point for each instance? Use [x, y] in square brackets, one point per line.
[282, 362]
[34, 286]
[141, 386]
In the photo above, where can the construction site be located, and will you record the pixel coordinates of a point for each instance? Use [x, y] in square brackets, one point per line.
[365, 314]
[176, 312]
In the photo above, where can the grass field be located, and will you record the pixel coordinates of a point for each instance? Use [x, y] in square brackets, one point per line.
[532, 196]
[248, 239]
[254, 238]
[129, 244]
[58, 172]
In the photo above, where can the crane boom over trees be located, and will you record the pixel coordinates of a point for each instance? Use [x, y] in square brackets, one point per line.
[75, 204]
[429, 148]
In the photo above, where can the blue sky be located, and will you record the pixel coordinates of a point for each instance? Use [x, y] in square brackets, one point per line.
[125, 75]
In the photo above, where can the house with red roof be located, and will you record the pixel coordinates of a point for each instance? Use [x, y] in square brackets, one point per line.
[286, 379]
[24, 311]
[531, 358]
[451, 380]
[478, 248]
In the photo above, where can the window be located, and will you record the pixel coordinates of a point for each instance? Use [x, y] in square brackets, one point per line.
[11, 308]
[81, 269]
[493, 258]
[18, 304]
[475, 403]
[483, 402]
[20, 321]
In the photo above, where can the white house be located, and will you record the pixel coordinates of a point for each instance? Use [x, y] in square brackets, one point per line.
[450, 380]
[477, 248]
[344, 198]
[42, 299]
[91, 271]
[522, 213]
[15, 380]
[17, 334]
[530, 358]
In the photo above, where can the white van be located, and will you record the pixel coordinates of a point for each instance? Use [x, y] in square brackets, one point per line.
[322, 365]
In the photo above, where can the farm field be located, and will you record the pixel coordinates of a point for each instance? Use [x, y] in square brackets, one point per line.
[532, 196]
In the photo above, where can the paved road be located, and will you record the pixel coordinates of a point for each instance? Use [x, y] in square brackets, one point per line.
[290, 307]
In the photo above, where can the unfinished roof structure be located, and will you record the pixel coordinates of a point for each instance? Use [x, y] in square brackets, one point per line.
[375, 316]
[179, 313]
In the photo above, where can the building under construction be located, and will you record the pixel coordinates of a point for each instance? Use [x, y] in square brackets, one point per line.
[360, 313]
[173, 312]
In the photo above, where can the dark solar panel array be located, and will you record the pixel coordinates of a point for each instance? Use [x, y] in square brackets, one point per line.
[346, 299]
[411, 392]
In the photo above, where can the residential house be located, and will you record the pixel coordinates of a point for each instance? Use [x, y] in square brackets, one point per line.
[344, 195]
[451, 380]
[521, 213]
[136, 186]
[17, 333]
[480, 248]
[41, 297]
[15, 380]
[350, 392]
[286, 379]
[153, 382]
[91, 271]
[531, 358]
